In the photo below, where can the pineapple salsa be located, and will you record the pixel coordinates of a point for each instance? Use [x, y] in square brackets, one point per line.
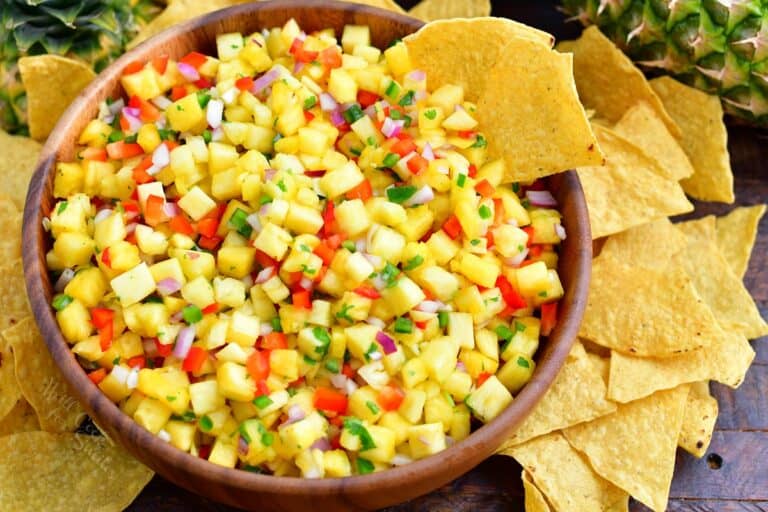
[294, 259]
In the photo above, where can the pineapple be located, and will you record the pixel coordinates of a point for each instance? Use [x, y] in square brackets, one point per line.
[95, 31]
[719, 47]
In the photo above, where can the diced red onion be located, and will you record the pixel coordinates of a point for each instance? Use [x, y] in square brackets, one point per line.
[313, 473]
[264, 210]
[458, 108]
[378, 283]
[265, 328]
[46, 222]
[132, 382]
[327, 103]
[375, 321]
[131, 228]
[66, 276]
[188, 71]
[171, 209]
[132, 111]
[392, 128]
[375, 356]
[512, 222]
[184, 342]
[102, 215]
[265, 80]
[217, 134]
[120, 374]
[442, 169]
[269, 174]
[230, 95]
[424, 195]
[337, 118]
[168, 286]
[541, 198]
[339, 381]
[214, 113]
[428, 306]
[247, 281]
[150, 349]
[116, 106]
[387, 343]
[176, 317]
[295, 413]
[321, 444]
[372, 259]
[254, 222]
[401, 460]
[416, 75]
[420, 95]
[515, 261]
[428, 153]
[297, 67]
[305, 283]
[350, 387]
[161, 122]
[134, 123]
[449, 441]
[242, 446]
[154, 169]
[161, 102]
[461, 367]
[264, 275]
[560, 230]
[370, 111]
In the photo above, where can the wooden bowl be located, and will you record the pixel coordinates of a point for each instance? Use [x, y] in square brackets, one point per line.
[241, 488]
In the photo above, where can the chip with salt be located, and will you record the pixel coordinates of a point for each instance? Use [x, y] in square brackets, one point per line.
[699, 420]
[577, 395]
[634, 448]
[721, 289]
[645, 312]
[10, 392]
[736, 234]
[52, 82]
[10, 229]
[430, 10]
[609, 82]
[13, 301]
[565, 477]
[704, 139]
[22, 418]
[67, 473]
[642, 126]
[17, 163]
[646, 193]
[40, 381]
[534, 499]
[725, 360]
[649, 245]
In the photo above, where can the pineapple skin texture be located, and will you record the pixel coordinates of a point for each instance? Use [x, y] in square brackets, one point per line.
[717, 48]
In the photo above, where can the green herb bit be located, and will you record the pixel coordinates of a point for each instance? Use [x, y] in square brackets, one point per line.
[390, 160]
[310, 102]
[332, 365]
[356, 428]
[480, 142]
[407, 99]
[203, 97]
[343, 313]
[349, 245]
[364, 466]
[400, 195]
[413, 262]
[205, 423]
[504, 332]
[403, 325]
[485, 212]
[442, 319]
[430, 114]
[461, 180]
[262, 402]
[353, 113]
[192, 314]
[372, 407]
[61, 301]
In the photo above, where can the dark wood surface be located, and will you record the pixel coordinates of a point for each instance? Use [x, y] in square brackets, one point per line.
[738, 484]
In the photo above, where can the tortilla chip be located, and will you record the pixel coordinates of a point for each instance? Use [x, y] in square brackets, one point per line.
[609, 82]
[534, 500]
[430, 10]
[726, 361]
[629, 190]
[704, 139]
[13, 300]
[577, 395]
[721, 289]
[22, 418]
[565, 477]
[602, 365]
[40, 380]
[634, 448]
[645, 312]
[699, 420]
[67, 473]
[650, 245]
[52, 82]
[736, 235]
[642, 126]
[17, 163]
[10, 393]
[703, 228]
[10, 230]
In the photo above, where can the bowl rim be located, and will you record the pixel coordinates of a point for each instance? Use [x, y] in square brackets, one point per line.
[482, 442]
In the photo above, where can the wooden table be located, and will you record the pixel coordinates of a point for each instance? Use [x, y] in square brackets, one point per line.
[733, 476]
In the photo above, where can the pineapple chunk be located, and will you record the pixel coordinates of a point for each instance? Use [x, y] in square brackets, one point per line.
[384, 439]
[133, 286]
[363, 405]
[143, 84]
[196, 203]
[186, 114]
[516, 372]
[236, 261]
[88, 286]
[182, 434]
[403, 296]
[438, 409]
[199, 292]
[398, 60]
[234, 382]
[460, 423]
[480, 270]
[205, 397]
[524, 340]
[285, 364]
[440, 357]
[273, 240]
[487, 401]
[352, 217]
[152, 414]
[302, 434]
[336, 464]
[224, 452]
[341, 180]
[73, 249]
[425, 440]
[74, 321]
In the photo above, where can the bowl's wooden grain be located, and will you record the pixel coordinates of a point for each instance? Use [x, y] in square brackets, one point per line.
[240, 488]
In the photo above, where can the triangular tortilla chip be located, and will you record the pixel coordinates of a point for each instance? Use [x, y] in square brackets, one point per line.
[17, 165]
[699, 420]
[565, 477]
[13, 301]
[629, 190]
[430, 10]
[649, 245]
[645, 312]
[10, 393]
[608, 81]
[726, 361]
[736, 235]
[534, 499]
[642, 126]
[10, 230]
[22, 418]
[577, 395]
[634, 448]
[52, 82]
[704, 139]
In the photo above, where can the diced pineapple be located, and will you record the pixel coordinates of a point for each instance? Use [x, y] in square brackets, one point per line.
[487, 401]
[68, 180]
[439, 409]
[487, 343]
[143, 84]
[182, 434]
[234, 382]
[195, 263]
[273, 240]
[461, 329]
[425, 440]
[73, 249]
[168, 269]
[205, 397]
[199, 292]
[302, 434]
[275, 289]
[114, 388]
[228, 292]
[524, 340]
[88, 286]
[224, 452]
[235, 261]
[533, 279]
[477, 363]
[413, 372]
[243, 329]
[336, 464]
[342, 86]
[352, 217]
[285, 364]
[516, 372]
[403, 296]
[442, 247]
[152, 414]
[397, 58]
[479, 270]
[447, 97]
[460, 423]
[354, 36]
[439, 357]
[460, 120]
[196, 203]
[360, 337]
[384, 439]
[341, 180]
[420, 220]
[458, 384]
[185, 114]
[228, 46]
[134, 285]
[509, 241]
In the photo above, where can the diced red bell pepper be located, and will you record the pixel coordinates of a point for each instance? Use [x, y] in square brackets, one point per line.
[121, 150]
[265, 260]
[140, 174]
[300, 53]
[367, 98]
[207, 227]
[203, 83]
[363, 191]
[180, 224]
[327, 399]
[535, 250]
[308, 116]
[325, 253]
[160, 63]
[348, 371]
[511, 297]
[273, 341]
[329, 218]
[529, 230]
[302, 299]
[100, 317]
[261, 387]
[403, 147]
[133, 67]
[211, 309]
[105, 258]
[154, 213]
[330, 58]
[467, 134]
[137, 362]
[472, 170]
[421, 325]
[484, 188]
[334, 241]
[163, 350]
[204, 451]
[194, 59]
[368, 292]
[482, 378]
[499, 215]
[195, 360]
[106, 334]
[452, 227]
[97, 376]
[548, 317]
[390, 398]
[209, 243]
[94, 154]
[258, 365]
[244, 84]
[178, 92]
[489, 239]
[417, 163]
